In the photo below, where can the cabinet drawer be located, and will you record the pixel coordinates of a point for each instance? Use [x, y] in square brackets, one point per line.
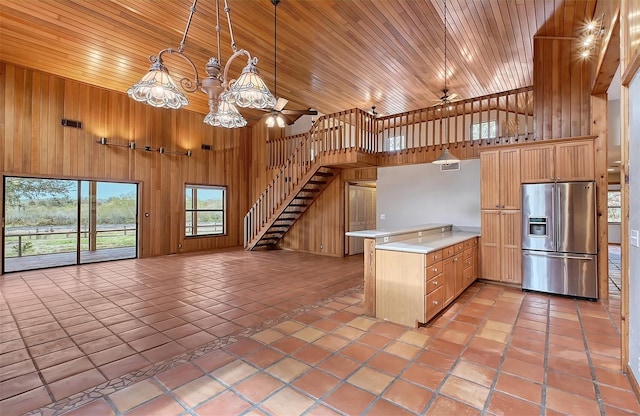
[434, 256]
[467, 276]
[433, 303]
[434, 283]
[433, 270]
[468, 252]
[472, 242]
[467, 263]
[458, 248]
[448, 252]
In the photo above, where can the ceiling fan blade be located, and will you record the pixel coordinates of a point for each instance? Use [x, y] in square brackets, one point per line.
[300, 112]
[280, 104]
[454, 96]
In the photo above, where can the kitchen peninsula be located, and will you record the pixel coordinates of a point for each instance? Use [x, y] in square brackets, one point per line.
[411, 273]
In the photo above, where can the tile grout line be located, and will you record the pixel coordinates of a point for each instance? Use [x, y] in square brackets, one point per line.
[26, 347]
[545, 374]
[503, 358]
[592, 369]
[64, 404]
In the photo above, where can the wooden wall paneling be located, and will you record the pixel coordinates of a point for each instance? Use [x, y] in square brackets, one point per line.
[37, 145]
[561, 89]
[321, 228]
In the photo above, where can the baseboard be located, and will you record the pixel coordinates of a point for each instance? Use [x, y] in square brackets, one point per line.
[634, 382]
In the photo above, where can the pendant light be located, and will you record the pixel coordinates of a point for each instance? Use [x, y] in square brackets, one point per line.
[445, 158]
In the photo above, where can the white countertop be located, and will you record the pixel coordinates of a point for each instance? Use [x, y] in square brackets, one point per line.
[396, 231]
[429, 243]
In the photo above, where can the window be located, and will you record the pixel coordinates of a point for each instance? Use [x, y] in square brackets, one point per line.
[396, 143]
[614, 210]
[484, 130]
[205, 208]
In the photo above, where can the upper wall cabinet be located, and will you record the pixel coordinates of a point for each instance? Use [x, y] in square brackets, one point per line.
[500, 179]
[571, 161]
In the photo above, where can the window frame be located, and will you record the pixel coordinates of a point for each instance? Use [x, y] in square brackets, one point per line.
[399, 140]
[479, 124]
[194, 210]
[618, 207]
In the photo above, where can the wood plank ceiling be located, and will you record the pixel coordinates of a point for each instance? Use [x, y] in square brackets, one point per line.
[332, 54]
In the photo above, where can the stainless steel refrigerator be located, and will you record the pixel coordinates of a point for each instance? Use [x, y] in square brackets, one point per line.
[559, 239]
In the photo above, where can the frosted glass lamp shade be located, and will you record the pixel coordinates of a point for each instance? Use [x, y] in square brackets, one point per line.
[157, 89]
[225, 114]
[250, 91]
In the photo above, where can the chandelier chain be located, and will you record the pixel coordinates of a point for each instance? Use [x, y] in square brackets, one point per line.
[192, 10]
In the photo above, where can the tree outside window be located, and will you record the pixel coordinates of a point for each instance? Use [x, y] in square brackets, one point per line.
[205, 209]
[614, 206]
[484, 130]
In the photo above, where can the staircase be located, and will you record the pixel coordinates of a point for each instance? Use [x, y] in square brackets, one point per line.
[296, 186]
[293, 207]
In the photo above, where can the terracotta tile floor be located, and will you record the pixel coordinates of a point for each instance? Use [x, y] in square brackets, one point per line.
[185, 335]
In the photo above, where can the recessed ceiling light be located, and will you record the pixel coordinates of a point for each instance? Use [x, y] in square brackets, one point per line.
[611, 169]
[618, 161]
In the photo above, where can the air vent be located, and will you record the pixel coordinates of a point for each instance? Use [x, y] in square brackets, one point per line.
[450, 167]
[71, 123]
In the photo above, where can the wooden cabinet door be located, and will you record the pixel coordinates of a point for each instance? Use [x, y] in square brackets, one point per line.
[575, 161]
[490, 244]
[490, 180]
[458, 266]
[511, 244]
[510, 179]
[537, 164]
[449, 276]
[474, 259]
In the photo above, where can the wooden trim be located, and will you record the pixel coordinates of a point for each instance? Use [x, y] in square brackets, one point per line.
[632, 380]
[632, 68]
[537, 142]
[609, 59]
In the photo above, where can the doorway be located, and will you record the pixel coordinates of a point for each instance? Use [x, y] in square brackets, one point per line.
[61, 222]
[360, 213]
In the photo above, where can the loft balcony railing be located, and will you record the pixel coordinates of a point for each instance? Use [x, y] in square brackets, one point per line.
[500, 118]
[464, 126]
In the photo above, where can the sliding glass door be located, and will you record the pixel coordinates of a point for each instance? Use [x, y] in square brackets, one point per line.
[60, 222]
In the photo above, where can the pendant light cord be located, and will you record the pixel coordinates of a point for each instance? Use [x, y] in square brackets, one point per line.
[445, 46]
[275, 47]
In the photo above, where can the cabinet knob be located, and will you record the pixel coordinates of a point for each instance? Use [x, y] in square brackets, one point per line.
[497, 206]
[435, 302]
[435, 270]
[435, 283]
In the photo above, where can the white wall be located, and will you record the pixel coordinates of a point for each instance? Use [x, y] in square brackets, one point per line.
[634, 224]
[420, 194]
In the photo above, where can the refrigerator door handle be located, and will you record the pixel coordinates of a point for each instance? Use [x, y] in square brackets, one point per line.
[556, 256]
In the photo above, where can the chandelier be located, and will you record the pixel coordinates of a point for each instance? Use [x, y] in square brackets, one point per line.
[158, 89]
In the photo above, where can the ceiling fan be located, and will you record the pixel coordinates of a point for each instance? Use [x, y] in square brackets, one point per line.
[446, 98]
[278, 116]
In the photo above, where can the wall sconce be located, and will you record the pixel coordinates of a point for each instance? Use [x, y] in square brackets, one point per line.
[164, 151]
[591, 32]
[132, 145]
[103, 141]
